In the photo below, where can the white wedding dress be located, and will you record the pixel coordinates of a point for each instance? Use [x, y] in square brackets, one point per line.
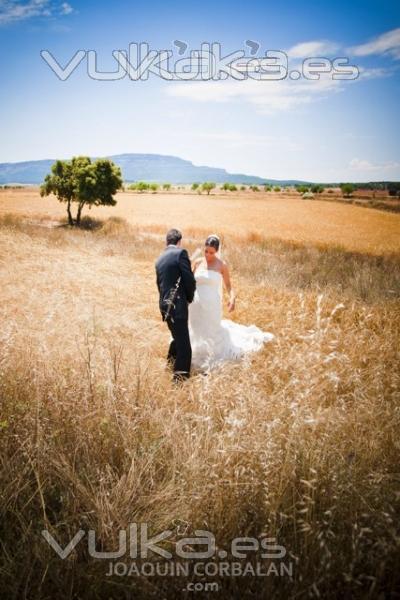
[214, 339]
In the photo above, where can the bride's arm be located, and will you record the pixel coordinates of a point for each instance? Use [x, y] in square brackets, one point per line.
[195, 264]
[196, 258]
[228, 286]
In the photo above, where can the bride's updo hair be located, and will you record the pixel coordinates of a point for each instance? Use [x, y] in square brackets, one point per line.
[213, 241]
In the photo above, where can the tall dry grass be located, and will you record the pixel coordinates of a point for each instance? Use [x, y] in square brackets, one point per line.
[299, 442]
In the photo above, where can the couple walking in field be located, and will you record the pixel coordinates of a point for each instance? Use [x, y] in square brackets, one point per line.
[191, 304]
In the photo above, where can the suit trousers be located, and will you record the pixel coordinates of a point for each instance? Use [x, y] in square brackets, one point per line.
[180, 350]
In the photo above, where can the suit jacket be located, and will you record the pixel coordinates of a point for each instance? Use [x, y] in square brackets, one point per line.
[174, 263]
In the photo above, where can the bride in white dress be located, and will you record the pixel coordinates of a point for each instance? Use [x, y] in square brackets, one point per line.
[214, 339]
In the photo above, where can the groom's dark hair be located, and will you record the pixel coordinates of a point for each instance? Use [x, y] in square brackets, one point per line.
[173, 236]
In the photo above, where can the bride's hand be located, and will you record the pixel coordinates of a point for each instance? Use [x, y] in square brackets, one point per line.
[231, 305]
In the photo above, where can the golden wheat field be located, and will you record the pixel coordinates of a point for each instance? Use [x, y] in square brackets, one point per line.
[243, 215]
[298, 442]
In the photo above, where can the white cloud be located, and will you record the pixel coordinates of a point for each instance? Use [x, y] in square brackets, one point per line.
[387, 43]
[66, 9]
[357, 164]
[321, 48]
[374, 73]
[272, 96]
[12, 11]
[266, 96]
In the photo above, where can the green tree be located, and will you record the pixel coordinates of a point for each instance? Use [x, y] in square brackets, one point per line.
[229, 187]
[347, 189]
[394, 188]
[166, 187]
[243, 188]
[254, 188]
[195, 186]
[142, 186]
[317, 189]
[302, 189]
[84, 182]
[277, 188]
[153, 187]
[207, 186]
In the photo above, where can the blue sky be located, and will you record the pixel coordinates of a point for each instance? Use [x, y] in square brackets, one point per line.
[326, 130]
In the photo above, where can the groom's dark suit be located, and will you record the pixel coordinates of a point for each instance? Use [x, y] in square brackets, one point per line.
[173, 266]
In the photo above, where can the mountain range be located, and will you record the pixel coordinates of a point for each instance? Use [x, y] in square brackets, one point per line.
[157, 168]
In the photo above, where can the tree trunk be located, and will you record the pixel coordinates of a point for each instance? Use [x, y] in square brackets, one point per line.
[78, 214]
[70, 219]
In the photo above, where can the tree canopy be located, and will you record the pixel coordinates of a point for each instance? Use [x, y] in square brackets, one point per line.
[84, 182]
[347, 189]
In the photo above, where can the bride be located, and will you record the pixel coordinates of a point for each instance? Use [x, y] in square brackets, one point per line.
[214, 339]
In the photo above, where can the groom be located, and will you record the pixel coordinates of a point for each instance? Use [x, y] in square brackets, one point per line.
[176, 285]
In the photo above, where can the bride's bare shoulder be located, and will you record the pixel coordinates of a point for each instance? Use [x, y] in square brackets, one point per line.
[223, 265]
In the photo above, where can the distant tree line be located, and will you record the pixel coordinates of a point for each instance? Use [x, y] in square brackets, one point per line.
[392, 187]
[8, 186]
[143, 186]
[347, 189]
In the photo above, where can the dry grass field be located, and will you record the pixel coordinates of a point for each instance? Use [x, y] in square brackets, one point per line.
[242, 216]
[298, 442]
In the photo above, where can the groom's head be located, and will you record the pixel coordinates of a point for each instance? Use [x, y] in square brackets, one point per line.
[174, 237]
